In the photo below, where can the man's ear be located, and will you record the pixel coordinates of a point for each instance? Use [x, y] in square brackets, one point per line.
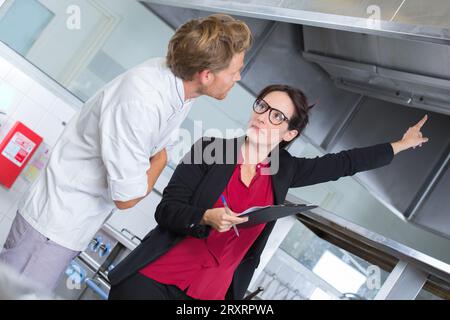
[205, 77]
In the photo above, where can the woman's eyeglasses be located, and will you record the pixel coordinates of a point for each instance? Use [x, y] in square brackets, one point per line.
[276, 117]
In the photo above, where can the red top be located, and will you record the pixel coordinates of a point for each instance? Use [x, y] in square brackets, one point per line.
[206, 266]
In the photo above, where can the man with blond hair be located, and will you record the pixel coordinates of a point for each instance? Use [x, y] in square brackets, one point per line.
[113, 151]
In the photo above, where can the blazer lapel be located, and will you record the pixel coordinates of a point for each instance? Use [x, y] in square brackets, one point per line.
[220, 172]
[277, 164]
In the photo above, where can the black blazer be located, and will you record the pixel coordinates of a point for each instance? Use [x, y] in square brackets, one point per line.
[196, 186]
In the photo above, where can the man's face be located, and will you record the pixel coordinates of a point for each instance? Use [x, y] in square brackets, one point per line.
[221, 82]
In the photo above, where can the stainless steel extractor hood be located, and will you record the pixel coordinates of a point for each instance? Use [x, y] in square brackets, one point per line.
[394, 18]
[406, 72]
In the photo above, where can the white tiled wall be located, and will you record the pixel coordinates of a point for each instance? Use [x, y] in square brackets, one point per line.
[24, 99]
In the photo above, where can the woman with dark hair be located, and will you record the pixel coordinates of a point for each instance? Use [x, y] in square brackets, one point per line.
[195, 251]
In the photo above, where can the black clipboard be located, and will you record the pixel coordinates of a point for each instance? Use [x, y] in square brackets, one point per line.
[257, 215]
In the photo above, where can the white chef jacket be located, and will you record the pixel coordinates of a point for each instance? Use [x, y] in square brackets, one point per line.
[103, 154]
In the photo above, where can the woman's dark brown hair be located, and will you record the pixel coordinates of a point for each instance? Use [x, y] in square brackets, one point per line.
[301, 117]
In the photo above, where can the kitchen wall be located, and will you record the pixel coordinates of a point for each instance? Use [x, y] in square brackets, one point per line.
[29, 96]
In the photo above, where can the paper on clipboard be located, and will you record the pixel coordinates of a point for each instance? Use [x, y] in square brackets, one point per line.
[257, 215]
[252, 209]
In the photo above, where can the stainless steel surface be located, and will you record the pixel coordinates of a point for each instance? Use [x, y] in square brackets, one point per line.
[396, 72]
[122, 237]
[434, 210]
[72, 284]
[99, 287]
[410, 19]
[400, 184]
[390, 69]
[420, 260]
[403, 283]
[175, 17]
[86, 276]
[100, 247]
[434, 185]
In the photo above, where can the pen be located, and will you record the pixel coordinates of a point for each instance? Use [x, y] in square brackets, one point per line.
[228, 212]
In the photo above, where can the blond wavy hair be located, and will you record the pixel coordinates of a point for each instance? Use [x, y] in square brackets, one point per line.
[207, 44]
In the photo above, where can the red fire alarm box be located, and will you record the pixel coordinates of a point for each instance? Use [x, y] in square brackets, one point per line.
[16, 150]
